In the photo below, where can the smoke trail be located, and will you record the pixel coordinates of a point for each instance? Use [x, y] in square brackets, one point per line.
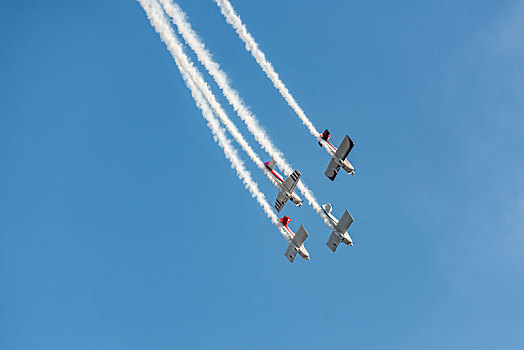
[197, 78]
[156, 16]
[204, 57]
[252, 46]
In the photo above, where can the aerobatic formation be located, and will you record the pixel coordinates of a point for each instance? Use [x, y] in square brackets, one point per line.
[165, 16]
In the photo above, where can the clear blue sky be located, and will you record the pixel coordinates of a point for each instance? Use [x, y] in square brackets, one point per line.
[122, 225]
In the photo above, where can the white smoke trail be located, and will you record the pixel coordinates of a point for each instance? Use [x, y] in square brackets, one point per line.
[204, 57]
[251, 45]
[156, 16]
[197, 78]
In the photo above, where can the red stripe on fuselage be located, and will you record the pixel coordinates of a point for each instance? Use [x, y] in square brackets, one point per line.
[276, 175]
[329, 143]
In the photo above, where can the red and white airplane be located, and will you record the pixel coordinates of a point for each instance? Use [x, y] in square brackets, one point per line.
[296, 242]
[339, 158]
[286, 188]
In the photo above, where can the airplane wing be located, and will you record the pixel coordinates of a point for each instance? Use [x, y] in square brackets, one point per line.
[300, 236]
[291, 182]
[345, 147]
[333, 241]
[332, 169]
[290, 253]
[345, 221]
[281, 201]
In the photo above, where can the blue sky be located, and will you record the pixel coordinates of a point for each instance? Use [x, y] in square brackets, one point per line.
[122, 225]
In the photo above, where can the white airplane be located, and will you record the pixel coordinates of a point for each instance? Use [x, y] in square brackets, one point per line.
[339, 228]
[286, 188]
[296, 242]
[339, 160]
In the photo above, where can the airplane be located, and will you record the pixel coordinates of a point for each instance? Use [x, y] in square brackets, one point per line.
[339, 159]
[339, 228]
[286, 188]
[296, 242]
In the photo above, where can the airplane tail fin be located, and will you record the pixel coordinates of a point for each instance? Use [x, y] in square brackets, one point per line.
[271, 164]
[285, 220]
[327, 207]
[325, 136]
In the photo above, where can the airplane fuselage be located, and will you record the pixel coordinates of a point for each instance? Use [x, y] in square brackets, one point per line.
[280, 183]
[344, 163]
